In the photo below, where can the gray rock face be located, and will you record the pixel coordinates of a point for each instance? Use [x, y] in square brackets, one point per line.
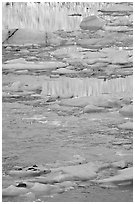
[91, 23]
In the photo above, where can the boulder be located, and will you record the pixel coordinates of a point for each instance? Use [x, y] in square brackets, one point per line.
[127, 111]
[92, 23]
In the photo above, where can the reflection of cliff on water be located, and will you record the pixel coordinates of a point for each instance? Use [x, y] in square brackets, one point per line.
[87, 86]
[47, 16]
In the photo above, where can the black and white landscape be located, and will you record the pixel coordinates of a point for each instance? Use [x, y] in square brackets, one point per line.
[67, 102]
